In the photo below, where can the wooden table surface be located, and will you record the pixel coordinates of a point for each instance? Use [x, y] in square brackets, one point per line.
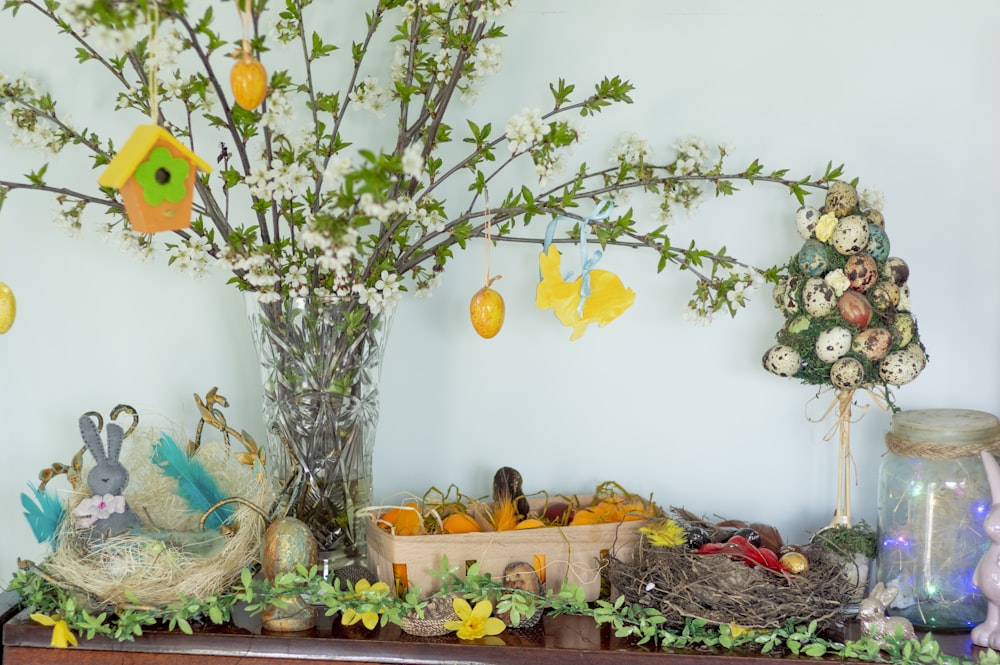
[556, 640]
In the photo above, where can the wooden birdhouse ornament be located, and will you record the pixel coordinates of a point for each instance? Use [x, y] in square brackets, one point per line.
[155, 174]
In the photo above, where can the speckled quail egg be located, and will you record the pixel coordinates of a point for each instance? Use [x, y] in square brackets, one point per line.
[878, 242]
[896, 270]
[901, 367]
[850, 235]
[833, 343]
[875, 217]
[884, 295]
[904, 298]
[818, 297]
[814, 258]
[841, 199]
[782, 360]
[872, 343]
[847, 373]
[784, 295]
[904, 327]
[862, 270]
[805, 221]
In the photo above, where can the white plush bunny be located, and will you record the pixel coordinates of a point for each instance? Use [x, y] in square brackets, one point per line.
[106, 513]
[987, 575]
[874, 622]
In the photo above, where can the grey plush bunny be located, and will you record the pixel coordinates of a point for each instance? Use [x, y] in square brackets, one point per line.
[106, 513]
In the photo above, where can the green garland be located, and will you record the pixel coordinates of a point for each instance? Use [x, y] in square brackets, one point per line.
[643, 624]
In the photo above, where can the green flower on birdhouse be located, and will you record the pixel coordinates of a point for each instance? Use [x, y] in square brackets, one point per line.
[162, 177]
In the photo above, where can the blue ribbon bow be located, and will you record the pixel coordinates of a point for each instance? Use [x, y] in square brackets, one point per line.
[601, 211]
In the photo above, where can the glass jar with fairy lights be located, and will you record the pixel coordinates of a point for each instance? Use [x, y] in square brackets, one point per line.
[933, 497]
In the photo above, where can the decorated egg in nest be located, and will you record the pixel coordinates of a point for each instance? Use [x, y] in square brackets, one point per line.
[814, 258]
[847, 373]
[805, 221]
[833, 343]
[841, 199]
[818, 297]
[782, 360]
[862, 270]
[855, 308]
[850, 236]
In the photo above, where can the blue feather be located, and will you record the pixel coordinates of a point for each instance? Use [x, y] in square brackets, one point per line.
[44, 513]
[194, 483]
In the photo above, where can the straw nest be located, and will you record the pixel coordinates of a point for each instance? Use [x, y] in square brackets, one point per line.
[171, 556]
[720, 590]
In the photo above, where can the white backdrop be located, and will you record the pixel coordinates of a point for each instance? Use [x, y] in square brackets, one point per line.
[905, 93]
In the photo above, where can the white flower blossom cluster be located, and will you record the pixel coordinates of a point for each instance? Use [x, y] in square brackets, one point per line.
[116, 40]
[191, 256]
[163, 48]
[137, 244]
[279, 113]
[526, 129]
[382, 296]
[370, 95]
[747, 283]
[333, 258]
[412, 161]
[872, 199]
[691, 155]
[279, 181]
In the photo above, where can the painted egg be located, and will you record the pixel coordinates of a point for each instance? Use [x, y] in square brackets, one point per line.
[905, 327]
[782, 360]
[896, 270]
[814, 258]
[784, 295]
[878, 242]
[885, 295]
[805, 221]
[794, 562]
[901, 367]
[855, 309]
[841, 199]
[847, 373]
[818, 297]
[904, 298]
[8, 308]
[872, 343]
[862, 270]
[875, 217]
[833, 343]
[799, 324]
[850, 236]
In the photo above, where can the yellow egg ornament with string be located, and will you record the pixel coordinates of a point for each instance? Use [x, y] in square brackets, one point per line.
[487, 311]
[8, 308]
[248, 78]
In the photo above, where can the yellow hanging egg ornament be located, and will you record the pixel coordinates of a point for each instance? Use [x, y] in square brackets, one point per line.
[487, 311]
[8, 308]
[248, 80]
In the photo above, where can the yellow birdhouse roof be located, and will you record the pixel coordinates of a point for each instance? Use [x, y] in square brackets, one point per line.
[135, 150]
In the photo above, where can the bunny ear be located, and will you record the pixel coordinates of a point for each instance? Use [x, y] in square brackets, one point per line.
[115, 436]
[92, 438]
[992, 474]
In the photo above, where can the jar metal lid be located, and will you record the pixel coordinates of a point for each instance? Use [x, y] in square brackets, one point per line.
[947, 426]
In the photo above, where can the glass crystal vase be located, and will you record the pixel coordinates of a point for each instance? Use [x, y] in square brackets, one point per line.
[320, 360]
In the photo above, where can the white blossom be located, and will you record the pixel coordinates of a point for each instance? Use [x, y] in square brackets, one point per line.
[370, 95]
[872, 199]
[525, 129]
[631, 149]
[413, 161]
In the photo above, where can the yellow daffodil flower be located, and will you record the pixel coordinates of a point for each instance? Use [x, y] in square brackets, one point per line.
[474, 622]
[363, 589]
[736, 630]
[62, 636]
[825, 226]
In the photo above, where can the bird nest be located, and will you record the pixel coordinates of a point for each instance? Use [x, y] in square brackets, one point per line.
[174, 553]
[682, 584]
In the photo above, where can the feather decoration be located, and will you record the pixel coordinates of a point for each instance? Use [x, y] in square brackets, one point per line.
[194, 483]
[44, 513]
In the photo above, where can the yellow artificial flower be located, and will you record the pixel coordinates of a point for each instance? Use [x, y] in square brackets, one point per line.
[363, 589]
[474, 622]
[736, 630]
[825, 226]
[667, 533]
[62, 636]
